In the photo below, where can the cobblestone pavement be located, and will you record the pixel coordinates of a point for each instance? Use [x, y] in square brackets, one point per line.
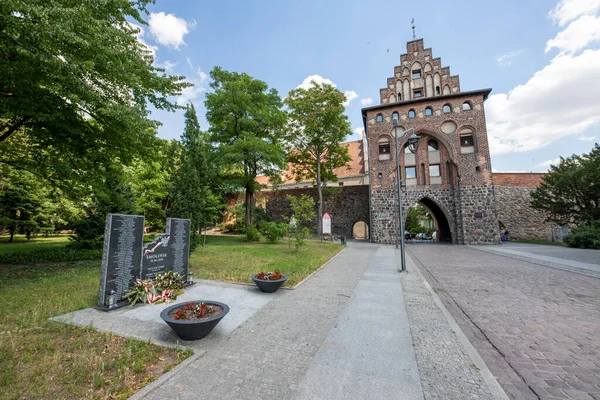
[567, 253]
[448, 370]
[537, 328]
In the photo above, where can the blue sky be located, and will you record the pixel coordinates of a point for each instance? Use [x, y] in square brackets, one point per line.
[541, 58]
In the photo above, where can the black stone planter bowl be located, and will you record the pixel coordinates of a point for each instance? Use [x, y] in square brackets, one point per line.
[268, 286]
[193, 329]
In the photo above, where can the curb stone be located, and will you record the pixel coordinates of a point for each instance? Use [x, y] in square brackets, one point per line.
[490, 382]
[164, 378]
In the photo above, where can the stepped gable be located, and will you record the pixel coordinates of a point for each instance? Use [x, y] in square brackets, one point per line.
[418, 75]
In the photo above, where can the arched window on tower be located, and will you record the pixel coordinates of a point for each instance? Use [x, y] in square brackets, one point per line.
[467, 140]
[447, 109]
[384, 148]
[395, 116]
[466, 106]
[411, 114]
[379, 118]
[433, 145]
[399, 96]
[437, 90]
[428, 111]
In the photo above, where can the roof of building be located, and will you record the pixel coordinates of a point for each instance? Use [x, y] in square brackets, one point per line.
[525, 179]
[355, 166]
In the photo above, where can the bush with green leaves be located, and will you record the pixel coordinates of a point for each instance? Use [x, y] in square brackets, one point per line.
[51, 255]
[303, 211]
[253, 235]
[585, 237]
[273, 231]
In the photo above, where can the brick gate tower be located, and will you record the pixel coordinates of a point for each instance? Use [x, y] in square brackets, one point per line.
[450, 174]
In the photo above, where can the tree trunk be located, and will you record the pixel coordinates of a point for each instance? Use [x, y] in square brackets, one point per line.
[320, 191]
[249, 203]
[12, 233]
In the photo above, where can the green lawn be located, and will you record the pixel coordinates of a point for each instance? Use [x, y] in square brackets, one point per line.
[230, 258]
[21, 244]
[540, 241]
[47, 360]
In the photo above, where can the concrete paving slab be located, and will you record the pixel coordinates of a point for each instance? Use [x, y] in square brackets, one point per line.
[144, 322]
[368, 353]
[563, 258]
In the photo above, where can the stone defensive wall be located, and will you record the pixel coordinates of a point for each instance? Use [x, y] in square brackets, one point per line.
[346, 205]
[513, 204]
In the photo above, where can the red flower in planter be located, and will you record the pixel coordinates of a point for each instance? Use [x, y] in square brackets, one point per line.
[269, 276]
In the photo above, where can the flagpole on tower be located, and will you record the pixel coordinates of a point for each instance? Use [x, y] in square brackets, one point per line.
[413, 29]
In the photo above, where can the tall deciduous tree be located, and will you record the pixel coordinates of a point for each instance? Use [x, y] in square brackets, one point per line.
[570, 192]
[246, 124]
[319, 126]
[75, 84]
[153, 179]
[191, 181]
[24, 203]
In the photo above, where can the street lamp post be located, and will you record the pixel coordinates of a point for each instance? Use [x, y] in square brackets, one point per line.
[413, 145]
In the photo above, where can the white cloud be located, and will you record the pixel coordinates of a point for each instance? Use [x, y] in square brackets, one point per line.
[168, 29]
[318, 79]
[366, 102]
[167, 66]
[559, 100]
[506, 59]
[568, 10]
[578, 35]
[307, 83]
[587, 138]
[203, 75]
[548, 163]
[190, 94]
[358, 131]
[350, 95]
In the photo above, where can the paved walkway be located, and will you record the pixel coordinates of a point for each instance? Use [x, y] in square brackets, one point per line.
[581, 261]
[356, 329]
[343, 334]
[535, 327]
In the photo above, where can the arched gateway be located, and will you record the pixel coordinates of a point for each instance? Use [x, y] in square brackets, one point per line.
[450, 173]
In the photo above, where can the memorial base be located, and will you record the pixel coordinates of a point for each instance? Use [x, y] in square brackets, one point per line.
[120, 304]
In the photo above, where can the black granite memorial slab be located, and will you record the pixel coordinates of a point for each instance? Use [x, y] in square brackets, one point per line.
[179, 231]
[157, 257]
[123, 240]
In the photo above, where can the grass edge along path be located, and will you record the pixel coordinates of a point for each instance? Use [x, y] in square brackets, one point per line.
[232, 259]
[46, 360]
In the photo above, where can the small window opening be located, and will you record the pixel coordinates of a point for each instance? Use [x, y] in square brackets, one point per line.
[437, 90]
[416, 74]
[434, 170]
[395, 116]
[428, 111]
[432, 145]
[411, 172]
[399, 96]
[477, 169]
[447, 109]
[466, 106]
[384, 147]
[411, 114]
[467, 140]
[417, 94]
[379, 118]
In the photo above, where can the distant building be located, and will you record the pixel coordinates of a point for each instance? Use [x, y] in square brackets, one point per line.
[450, 173]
